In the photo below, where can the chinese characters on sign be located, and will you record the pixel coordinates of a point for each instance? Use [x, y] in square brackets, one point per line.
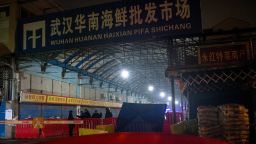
[114, 22]
[33, 97]
[51, 99]
[223, 54]
[56, 99]
[120, 17]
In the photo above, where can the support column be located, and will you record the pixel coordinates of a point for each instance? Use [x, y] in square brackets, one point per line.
[78, 89]
[13, 104]
[14, 15]
[173, 101]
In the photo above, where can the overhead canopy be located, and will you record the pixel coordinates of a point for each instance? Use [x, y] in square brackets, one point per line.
[99, 51]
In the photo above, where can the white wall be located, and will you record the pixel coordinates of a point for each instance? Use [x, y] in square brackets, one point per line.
[47, 86]
[50, 86]
[65, 89]
[25, 82]
[36, 83]
[87, 92]
[72, 90]
[82, 92]
[56, 87]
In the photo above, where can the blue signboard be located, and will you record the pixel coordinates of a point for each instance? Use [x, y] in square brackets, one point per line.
[109, 23]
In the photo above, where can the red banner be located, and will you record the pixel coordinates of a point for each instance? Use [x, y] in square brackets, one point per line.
[224, 54]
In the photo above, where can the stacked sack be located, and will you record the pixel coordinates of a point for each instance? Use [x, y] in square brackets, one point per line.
[208, 122]
[235, 122]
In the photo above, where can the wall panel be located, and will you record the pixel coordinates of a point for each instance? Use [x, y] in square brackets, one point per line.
[82, 91]
[72, 88]
[36, 83]
[56, 87]
[65, 89]
[25, 81]
[47, 86]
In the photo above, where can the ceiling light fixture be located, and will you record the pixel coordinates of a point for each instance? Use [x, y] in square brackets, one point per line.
[150, 88]
[162, 94]
[124, 74]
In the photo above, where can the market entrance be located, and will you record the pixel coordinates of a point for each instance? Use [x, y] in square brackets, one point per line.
[144, 52]
[91, 47]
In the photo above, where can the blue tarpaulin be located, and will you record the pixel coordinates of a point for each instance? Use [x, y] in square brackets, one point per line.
[141, 118]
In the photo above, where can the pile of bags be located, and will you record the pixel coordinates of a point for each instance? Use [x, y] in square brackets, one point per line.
[235, 122]
[208, 122]
[230, 122]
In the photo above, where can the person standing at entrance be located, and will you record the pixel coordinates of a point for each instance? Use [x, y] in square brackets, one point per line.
[86, 114]
[108, 113]
[71, 126]
[95, 114]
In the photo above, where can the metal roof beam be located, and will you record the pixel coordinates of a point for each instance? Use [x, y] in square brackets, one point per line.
[108, 69]
[67, 60]
[87, 58]
[103, 66]
[95, 62]
[112, 71]
[137, 85]
[132, 80]
[86, 73]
